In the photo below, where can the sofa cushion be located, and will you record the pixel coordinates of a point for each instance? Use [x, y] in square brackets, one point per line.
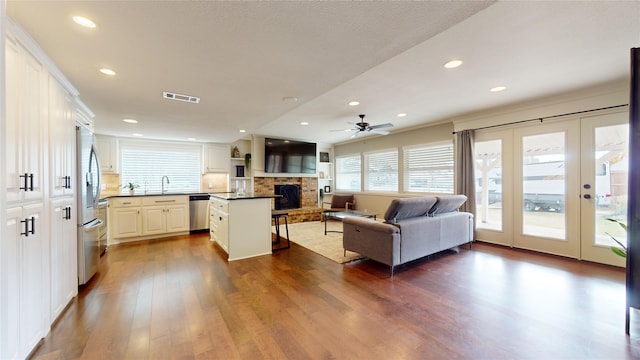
[447, 203]
[408, 207]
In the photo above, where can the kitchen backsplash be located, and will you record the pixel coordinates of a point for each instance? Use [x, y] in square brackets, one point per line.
[112, 185]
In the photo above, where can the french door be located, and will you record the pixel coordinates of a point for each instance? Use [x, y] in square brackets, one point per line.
[551, 187]
[604, 175]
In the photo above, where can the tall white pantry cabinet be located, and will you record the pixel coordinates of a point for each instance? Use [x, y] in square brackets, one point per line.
[38, 275]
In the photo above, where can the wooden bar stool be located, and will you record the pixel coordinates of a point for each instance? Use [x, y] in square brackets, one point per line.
[276, 215]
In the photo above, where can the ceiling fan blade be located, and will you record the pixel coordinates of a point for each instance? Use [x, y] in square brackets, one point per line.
[354, 135]
[380, 126]
[381, 132]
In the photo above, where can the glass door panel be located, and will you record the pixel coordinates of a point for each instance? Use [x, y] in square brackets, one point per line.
[543, 185]
[611, 176]
[488, 172]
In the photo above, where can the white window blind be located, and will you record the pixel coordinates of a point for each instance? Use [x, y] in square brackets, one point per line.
[145, 163]
[348, 172]
[381, 170]
[428, 168]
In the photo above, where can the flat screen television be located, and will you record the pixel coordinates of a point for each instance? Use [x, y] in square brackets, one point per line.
[289, 156]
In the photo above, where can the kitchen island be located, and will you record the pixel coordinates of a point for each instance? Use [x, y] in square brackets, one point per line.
[241, 224]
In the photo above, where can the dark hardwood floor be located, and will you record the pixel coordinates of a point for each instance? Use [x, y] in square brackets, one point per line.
[179, 298]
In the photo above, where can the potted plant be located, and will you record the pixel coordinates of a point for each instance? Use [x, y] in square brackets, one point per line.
[618, 251]
[131, 186]
[247, 161]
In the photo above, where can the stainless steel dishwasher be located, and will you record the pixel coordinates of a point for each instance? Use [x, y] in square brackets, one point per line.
[199, 213]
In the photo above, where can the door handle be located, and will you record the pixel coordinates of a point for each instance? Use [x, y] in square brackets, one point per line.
[587, 196]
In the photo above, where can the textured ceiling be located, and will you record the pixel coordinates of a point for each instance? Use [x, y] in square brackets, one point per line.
[243, 58]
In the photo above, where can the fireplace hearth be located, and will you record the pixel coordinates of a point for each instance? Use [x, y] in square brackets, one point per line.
[290, 196]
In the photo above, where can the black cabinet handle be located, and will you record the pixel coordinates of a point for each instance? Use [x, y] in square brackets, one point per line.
[25, 176]
[31, 182]
[33, 225]
[67, 213]
[26, 226]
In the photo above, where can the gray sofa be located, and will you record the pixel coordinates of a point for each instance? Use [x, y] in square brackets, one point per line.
[413, 228]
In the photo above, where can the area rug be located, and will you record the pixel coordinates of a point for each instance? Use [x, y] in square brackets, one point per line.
[310, 235]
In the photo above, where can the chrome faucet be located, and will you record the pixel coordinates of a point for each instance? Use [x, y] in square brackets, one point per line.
[163, 190]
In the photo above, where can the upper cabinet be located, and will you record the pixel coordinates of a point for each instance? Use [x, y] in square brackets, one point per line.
[107, 149]
[26, 94]
[61, 141]
[216, 158]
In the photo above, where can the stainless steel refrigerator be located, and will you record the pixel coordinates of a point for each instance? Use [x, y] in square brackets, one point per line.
[88, 172]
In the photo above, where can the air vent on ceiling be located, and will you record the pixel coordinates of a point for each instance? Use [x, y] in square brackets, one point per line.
[180, 97]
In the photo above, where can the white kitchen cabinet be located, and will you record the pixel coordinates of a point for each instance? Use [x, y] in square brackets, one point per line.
[62, 139]
[165, 214]
[64, 255]
[241, 226]
[216, 158]
[26, 281]
[125, 217]
[107, 150]
[146, 217]
[219, 223]
[26, 126]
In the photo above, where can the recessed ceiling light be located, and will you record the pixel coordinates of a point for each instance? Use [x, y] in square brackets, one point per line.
[130, 121]
[453, 64]
[83, 21]
[108, 72]
[136, 134]
[243, 130]
[498, 88]
[354, 103]
[191, 139]
[290, 99]
[402, 115]
[304, 123]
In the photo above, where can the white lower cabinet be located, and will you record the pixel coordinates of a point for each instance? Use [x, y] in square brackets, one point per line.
[125, 217]
[64, 255]
[165, 214]
[145, 216]
[26, 291]
[242, 227]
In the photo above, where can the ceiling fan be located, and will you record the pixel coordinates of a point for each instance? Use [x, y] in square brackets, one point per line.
[362, 126]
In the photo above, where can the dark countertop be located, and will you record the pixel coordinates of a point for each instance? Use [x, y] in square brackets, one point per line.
[247, 196]
[153, 194]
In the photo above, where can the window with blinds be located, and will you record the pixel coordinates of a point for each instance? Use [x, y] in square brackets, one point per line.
[381, 170]
[348, 173]
[428, 168]
[145, 163]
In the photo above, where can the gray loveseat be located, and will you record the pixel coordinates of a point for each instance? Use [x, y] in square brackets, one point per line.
[413, 228]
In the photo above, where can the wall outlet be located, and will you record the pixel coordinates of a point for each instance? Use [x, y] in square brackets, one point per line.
[209, 186]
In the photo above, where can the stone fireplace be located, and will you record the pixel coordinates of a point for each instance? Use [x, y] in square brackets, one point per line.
[308, 188]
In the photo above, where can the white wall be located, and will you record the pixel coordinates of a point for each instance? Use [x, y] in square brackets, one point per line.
[602, 96]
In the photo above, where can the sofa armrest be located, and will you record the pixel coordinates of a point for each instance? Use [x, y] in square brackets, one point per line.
[373, 239]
